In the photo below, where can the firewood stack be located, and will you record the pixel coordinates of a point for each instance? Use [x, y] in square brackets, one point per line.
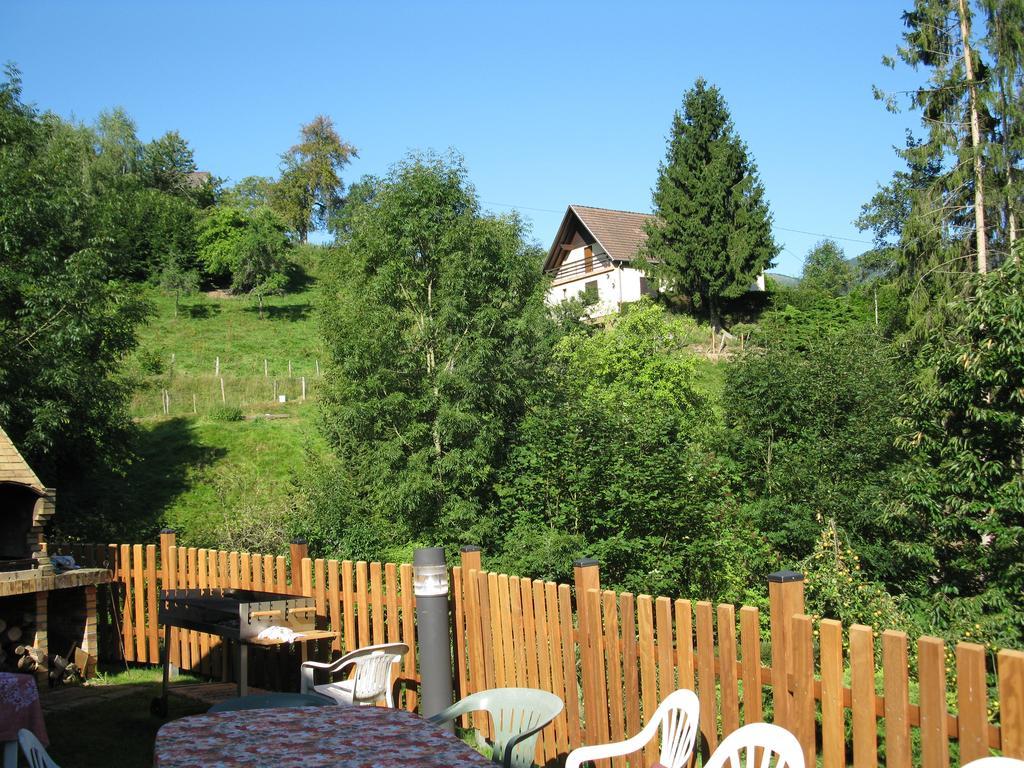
[11, 637]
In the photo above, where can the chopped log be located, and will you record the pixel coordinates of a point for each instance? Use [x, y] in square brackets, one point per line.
[14, 634]
[27, 664]
[3, 625]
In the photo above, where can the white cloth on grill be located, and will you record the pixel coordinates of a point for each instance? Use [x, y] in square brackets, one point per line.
[283, 634]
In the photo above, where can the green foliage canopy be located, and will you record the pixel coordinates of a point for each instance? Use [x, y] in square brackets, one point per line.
[615, 460]
[431, 315]
[67, 311]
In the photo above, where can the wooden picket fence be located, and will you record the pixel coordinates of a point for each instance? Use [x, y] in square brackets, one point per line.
[849, 695]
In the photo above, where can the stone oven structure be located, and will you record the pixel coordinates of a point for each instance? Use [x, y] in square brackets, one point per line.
[28, 576]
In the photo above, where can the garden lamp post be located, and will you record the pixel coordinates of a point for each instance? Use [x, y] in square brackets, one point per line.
[433, 631]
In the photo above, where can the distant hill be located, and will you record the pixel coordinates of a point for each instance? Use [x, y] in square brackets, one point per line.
[784, 280]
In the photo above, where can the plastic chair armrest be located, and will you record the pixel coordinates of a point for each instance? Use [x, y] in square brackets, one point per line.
[450, 713]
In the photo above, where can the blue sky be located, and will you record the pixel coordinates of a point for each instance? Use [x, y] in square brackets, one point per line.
[549, 103]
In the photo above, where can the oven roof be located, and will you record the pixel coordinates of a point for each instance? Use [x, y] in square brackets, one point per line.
[13, 468]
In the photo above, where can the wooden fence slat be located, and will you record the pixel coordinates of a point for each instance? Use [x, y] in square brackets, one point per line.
[572, 691]
[483, 585]
[515, 600]
[803, 712]
[665, 647]
[530, 647]
[306, 574]
[833, 729]
[334, 600]
[544, 665]
[474, 646]
[684, 644]
[616, 711]
[192, 576]
[750, 647]
[648, 667]
[458, 612]
[972, 702]
[171, 575]
[348, 606]
[281, 573]
[1010, 668]
[409, 636]
[320, 588]
[597, 710]
[362, 604]
[377, 602]
[895, 670]
[630, 665]
[246, 566]
[152, 625]
[185, 635]
[391, 585]
[862, 690]
[557, 661]
[233, 572]
[503, 627]
[202, 576]
[270, 577]
[128, 617]
[706, 690]
[727, 664]
[931, 674]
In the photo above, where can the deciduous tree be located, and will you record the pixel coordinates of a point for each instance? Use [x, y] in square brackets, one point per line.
[310, 189]
[431, 315]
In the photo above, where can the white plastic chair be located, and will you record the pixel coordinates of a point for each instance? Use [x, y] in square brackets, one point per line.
[995, 762]
[678, 716]
[371, 682]
[34, 751]
[774, 740]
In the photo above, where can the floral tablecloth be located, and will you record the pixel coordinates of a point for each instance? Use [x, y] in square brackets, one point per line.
[19, 707]
[296, 737]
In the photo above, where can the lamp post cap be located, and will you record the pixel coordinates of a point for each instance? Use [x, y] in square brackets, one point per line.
[428, 556]
[584, 562]
[166, 530]
[469, 548]
[784, 577]
[300, 542]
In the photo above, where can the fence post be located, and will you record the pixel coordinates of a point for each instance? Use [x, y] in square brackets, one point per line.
[587, 576]
[1010, 666]
[299, 551]
[169, 539]
[785, 600]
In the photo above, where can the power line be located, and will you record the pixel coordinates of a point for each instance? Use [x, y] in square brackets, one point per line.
[775, 226]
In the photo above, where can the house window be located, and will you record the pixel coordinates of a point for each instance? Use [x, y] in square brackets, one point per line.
[588, 259]
[590, 290]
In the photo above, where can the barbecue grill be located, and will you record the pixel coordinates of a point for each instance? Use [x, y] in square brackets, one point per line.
[234, 614]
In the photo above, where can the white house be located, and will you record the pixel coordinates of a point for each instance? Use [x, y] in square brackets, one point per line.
[592, 253]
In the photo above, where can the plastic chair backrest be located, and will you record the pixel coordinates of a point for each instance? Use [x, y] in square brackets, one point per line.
[373, 676]
[34, 751]
[677, 717]
[517, 716]
[779, 748]
[995, 762]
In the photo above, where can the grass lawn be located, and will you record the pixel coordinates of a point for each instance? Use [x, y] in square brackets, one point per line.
[117, 731]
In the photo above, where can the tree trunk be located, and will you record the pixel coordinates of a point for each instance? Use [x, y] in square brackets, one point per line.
[979, 193]
[714, 316]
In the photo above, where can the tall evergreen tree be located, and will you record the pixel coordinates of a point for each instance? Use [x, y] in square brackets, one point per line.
[712, 233]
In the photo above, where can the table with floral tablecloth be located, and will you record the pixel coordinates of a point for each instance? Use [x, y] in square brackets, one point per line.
[297, 737]
[19, 708]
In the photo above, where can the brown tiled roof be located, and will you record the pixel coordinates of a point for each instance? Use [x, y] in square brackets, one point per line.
[620, 232]
[13, 468]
